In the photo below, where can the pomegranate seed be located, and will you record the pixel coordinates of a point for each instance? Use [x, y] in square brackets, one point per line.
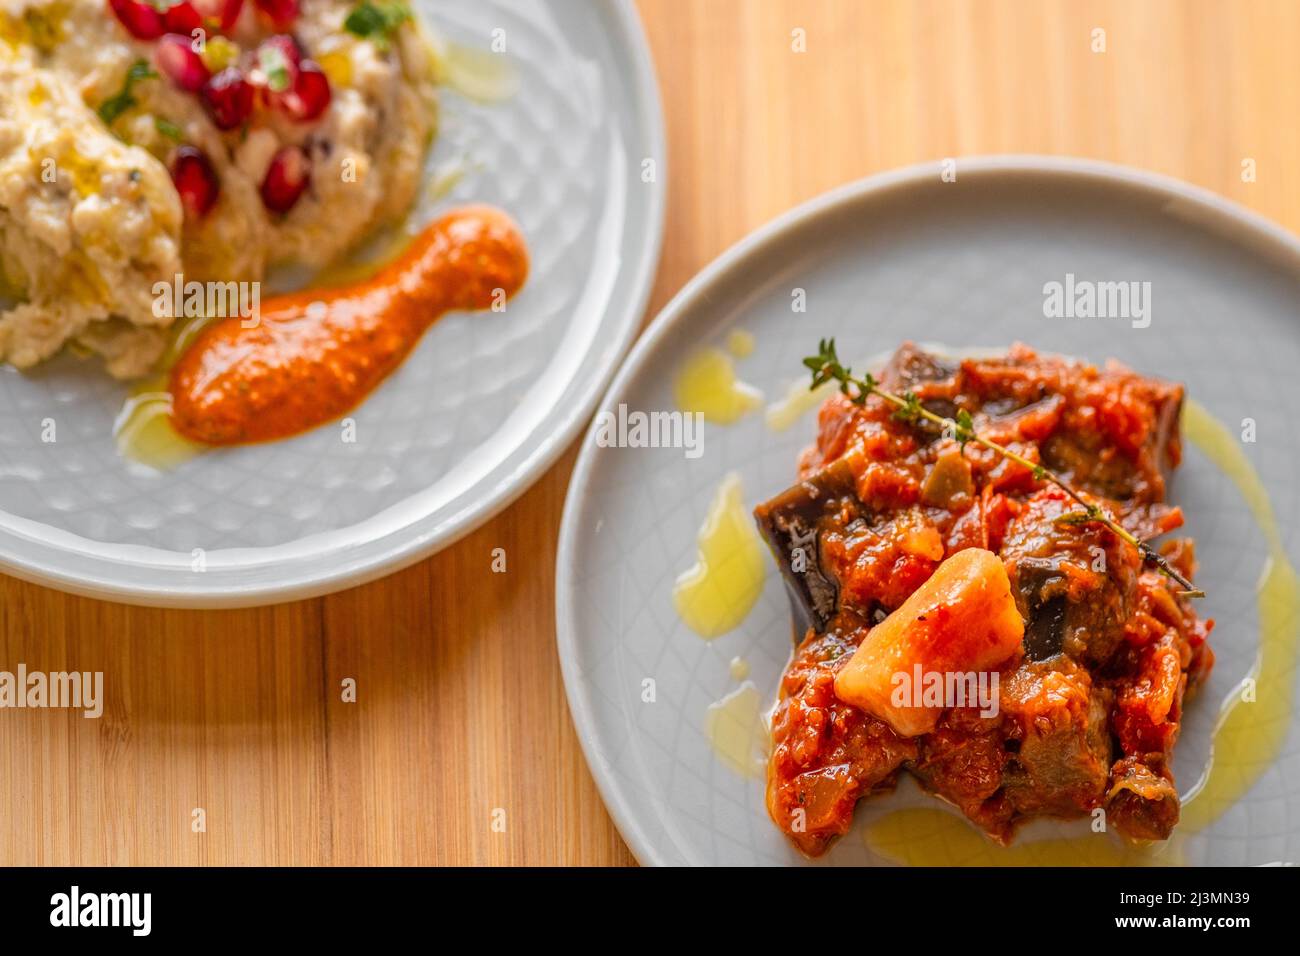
[195, 180]
[182, 18]
[286, 178]
[176, 58]
[230, 13]
[220, 14]
[281, 13]
[310, 94]
[228, 98]
[141, 20]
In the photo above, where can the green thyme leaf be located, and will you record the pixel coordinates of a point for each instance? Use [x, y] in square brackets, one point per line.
[910, 410]
[965, 431]
[1073, 517]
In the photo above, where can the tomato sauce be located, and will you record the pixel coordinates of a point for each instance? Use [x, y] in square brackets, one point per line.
[315, 355]
[1090, 709]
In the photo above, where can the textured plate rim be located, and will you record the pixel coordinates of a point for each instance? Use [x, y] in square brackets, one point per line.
[1245, 223]
[620, 323]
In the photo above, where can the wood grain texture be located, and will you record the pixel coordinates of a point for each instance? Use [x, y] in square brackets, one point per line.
[460, 706]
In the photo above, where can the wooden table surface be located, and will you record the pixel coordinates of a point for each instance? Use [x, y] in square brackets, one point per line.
[460, 710]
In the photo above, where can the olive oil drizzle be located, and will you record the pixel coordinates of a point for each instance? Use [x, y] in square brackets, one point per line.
[717, 593]
[707, 384]
[737, 731]
[143, 430]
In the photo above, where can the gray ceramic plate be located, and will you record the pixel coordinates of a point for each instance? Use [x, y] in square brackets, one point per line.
[482, 407]
[902, 256]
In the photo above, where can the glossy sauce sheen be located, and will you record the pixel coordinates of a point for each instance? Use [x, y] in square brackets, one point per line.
[1091, 699]
[1247, 740]
[316, 354]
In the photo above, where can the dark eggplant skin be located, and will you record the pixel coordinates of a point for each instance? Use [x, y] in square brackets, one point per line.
[1040, 593]
[790, 523]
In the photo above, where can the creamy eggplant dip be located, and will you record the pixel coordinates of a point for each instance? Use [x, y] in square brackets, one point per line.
[145, 139]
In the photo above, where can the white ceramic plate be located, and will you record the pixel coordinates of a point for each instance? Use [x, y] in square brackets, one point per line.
[480, 409]
[909, 256]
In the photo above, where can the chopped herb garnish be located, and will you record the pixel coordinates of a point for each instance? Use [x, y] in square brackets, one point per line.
[377, 22]
[120, 102]
[825, 367]
[276, 67]
[168, 129]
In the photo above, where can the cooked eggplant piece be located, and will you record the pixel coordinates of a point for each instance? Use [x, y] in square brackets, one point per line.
[1040, 595]
[911, 365]
[1142, 802]
[791, 525]
[1080, 456]
[1059, 718]
[1088, 629]
[1045, 632]
[949, 484]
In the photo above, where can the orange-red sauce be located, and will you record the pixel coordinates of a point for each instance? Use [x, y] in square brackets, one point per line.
[1089, 714]
[315, 355]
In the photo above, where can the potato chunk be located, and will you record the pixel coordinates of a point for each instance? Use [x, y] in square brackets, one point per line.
[962, 620]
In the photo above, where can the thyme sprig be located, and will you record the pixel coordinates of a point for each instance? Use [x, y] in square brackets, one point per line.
[826, 367]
